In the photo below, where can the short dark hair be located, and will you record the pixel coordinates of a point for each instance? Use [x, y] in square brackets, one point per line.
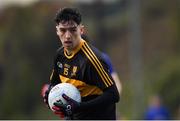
[68, 14]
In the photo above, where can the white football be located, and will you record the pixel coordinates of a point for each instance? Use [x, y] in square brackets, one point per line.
[56, 92]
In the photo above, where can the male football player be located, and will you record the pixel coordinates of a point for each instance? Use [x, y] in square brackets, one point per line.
[82, 65]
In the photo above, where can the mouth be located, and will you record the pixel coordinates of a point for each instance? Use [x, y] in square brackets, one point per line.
[68, 43]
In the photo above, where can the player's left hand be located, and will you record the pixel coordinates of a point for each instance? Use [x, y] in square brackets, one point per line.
[44, 93]
[69, 108]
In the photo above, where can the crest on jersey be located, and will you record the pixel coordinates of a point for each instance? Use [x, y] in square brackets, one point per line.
[59, 64]
[67, 65]
[74, 70]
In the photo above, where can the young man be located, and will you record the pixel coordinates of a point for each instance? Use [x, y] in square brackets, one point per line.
[82, 65]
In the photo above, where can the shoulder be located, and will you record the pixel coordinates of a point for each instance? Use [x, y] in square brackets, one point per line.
[106, 57]
[94, 55]
[108, 61]
[92, 51]
[59, 52]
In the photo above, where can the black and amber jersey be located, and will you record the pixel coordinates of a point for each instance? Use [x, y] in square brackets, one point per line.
[85, 68]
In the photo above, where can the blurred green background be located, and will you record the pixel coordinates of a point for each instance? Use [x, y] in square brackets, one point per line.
[142, 38]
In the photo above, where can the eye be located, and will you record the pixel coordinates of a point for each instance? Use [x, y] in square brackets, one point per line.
[73, 29]
[62, 30]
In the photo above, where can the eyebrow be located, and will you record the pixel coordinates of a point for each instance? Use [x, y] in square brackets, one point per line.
[74, 27]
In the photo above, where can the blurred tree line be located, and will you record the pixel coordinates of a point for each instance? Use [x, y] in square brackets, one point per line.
[28, 43]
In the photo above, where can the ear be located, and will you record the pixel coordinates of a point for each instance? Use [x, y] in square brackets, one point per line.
[82, 29]
[57, 30]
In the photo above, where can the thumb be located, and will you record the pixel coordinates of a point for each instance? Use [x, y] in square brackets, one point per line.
[67, 98]
[58, 104]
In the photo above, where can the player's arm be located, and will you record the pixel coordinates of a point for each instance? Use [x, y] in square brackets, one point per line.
[54, 79]
[110, 93]
[113, 72]
[109, 96]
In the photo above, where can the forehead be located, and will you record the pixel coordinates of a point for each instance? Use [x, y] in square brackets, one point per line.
[68, 24]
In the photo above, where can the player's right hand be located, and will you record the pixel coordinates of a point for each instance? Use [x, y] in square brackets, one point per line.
[67, 109]
[58, 111]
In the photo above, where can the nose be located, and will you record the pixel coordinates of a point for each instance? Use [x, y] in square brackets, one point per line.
[67, 35]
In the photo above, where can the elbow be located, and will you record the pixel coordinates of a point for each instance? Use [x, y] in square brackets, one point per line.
[117, 97]
[113, 94]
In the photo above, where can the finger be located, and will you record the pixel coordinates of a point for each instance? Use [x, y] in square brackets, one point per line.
[59, 104]
[56, 108]
[61, 114]
[58, 113]
[67, 98]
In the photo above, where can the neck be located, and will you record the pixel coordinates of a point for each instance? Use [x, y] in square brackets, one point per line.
[69, 52]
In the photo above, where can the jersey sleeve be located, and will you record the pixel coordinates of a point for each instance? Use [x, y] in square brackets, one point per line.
[99, 74]
[54, 78]
[110, 93]
[98, 68]
[108, 61]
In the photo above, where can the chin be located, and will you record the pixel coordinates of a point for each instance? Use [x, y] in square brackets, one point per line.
[69, 47]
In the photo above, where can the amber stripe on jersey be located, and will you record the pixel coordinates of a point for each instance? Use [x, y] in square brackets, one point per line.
[52, 73]
[101, 67]
[94, 65]
[97, 65]
[85, 89]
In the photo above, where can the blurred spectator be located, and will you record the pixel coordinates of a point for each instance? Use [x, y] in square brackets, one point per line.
[156, 110]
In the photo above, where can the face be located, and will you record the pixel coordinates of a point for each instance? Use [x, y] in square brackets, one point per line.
[69, 34]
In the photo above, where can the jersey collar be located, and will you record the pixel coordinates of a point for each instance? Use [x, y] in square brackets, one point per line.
[75, 50]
